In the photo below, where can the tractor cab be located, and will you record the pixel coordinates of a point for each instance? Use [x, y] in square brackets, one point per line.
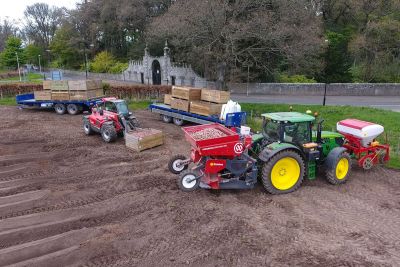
[113, 105]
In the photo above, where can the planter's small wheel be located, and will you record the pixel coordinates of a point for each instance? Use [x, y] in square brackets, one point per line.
[175, 166]
[187, 181]
[382, 156]
[87, 128]
[367, 164]
[60, 109]
[178, 122]
[166, 119]
[73, 109]
[108, 133]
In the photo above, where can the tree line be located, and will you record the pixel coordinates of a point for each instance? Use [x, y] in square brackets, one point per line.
[229, 40]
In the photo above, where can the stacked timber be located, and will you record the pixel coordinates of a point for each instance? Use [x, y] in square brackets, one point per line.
[215, 96]
[211, 102]
[167, 99]
[69, 90]
[182, 96]
[142, 139]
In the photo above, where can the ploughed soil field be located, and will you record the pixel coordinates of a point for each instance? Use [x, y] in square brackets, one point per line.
[69, 199]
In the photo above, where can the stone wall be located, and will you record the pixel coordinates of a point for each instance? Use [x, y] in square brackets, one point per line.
[317, 89]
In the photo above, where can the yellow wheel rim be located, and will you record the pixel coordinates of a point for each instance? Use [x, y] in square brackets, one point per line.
[285, 173]
[342, 168]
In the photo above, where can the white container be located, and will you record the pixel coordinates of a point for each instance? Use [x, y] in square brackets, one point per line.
[244, 130]
[230, 107]
[365, 131]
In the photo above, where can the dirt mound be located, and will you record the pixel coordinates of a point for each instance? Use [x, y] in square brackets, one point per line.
[70, 199]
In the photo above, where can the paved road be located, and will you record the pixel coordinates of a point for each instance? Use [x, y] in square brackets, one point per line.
[390, 103]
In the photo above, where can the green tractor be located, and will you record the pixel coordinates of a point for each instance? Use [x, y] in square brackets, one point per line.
[288, 149]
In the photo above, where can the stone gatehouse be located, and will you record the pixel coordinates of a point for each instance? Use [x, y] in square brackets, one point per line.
[160, 70]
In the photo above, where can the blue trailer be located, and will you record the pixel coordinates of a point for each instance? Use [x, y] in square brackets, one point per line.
[61, 107]
[179, 117]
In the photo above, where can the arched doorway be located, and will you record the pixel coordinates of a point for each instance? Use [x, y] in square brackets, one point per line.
[156, 70]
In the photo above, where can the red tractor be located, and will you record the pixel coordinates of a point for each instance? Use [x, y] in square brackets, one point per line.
[111, 118]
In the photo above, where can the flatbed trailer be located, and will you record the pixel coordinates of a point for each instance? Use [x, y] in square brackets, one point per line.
[73, 107]
[179, 117]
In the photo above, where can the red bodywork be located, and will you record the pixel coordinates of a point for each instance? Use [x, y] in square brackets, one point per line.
[97, 120]
[218, 149]
[354, 146]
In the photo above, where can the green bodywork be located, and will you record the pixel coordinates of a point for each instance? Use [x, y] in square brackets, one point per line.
[291, 130]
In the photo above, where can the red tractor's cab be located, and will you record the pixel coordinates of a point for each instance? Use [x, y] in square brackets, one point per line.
[110, 117]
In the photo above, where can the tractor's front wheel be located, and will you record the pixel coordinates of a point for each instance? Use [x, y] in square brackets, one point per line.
[337, 167]
[87, 128]
[108, 133]
[188, 181]
[283, 173]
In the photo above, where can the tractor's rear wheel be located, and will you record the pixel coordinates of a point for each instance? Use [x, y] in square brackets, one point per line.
[108, 133]
[175, 166]
[73, 109]
[283, 173]
[60, 109]
[187, 181]
[337, 168]
[87, 128]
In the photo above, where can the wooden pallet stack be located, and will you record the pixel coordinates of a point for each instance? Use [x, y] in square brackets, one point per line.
[70, 90]
[204, 102]
[142, 139]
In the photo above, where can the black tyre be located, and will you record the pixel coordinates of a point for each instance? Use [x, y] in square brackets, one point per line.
[178, 122]
[87, 128]
[73, 109]
[283, 173]
[108, 133]
[337, 167]
[174, 165]
[60, 109]
[187, 182]
[166, 119]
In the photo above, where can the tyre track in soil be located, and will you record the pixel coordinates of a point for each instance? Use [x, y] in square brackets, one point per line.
[126, 210]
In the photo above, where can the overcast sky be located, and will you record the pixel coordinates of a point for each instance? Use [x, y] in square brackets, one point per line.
[14, 9]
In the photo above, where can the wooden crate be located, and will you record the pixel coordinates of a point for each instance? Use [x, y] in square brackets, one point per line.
[82, 95]
[84, 85]
[215, 96]
[167, 99]
[99, 92]
[180, 104]
[47, 85]
[42, 95]
[60, 95]
[205, 108]
[58, 85]
[187, 93]
[142, 139]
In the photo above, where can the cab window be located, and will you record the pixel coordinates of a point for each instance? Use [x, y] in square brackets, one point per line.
[110, 106]
[298, 133]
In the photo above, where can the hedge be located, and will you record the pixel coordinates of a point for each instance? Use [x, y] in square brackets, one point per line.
[126, 91]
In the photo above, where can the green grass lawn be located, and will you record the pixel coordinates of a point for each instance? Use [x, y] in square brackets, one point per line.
[332, 114]
[8, 101]
[31, 77]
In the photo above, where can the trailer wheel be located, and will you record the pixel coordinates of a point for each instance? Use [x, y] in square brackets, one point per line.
[87, 128]
[166, 119]
[178, 122]
[283, 173]
[60, 109]
[108, 133]
[73, 109]
[174, 165]
[337, 167]
[187, 181]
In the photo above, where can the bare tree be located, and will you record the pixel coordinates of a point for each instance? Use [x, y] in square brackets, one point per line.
[265, 34]
[6, 30]
[42, 22]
